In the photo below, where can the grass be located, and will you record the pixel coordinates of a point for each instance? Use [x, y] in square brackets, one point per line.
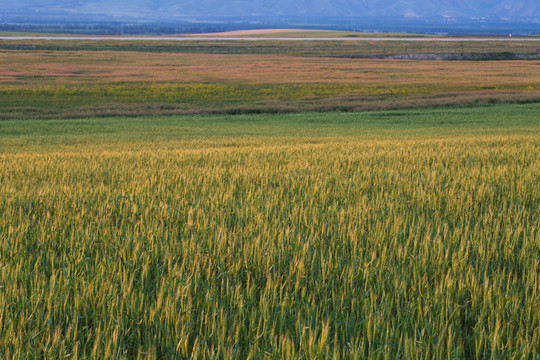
[323, 48]
[52, 84]
[365, 235]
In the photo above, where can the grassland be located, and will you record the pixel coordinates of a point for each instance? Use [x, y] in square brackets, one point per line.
[134, 81]
[321, 48]
[411, 234]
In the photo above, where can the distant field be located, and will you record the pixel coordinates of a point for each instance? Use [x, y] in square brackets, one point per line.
[145, 78]
[364, 235]
[304, 33]
[359, 48]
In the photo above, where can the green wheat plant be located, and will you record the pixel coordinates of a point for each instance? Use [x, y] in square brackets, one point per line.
[380, 235]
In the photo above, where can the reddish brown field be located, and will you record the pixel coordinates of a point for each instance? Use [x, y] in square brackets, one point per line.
[28, 69]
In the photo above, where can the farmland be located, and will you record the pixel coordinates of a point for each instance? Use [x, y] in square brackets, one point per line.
[279, 236]
[267, 206]
[102, 78]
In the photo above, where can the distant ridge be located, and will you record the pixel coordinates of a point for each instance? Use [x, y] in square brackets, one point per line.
[382, 8]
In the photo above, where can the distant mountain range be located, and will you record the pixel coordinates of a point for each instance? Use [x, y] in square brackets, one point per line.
[357, 8]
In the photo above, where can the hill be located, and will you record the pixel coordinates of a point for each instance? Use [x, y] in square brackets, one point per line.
[382, 8]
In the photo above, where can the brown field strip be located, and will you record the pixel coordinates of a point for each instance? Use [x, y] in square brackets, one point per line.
[28, 69]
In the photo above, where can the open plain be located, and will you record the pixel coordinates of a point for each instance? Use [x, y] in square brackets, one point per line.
[161, 202]
[67, 79]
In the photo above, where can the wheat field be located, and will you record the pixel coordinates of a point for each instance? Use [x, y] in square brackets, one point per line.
[397, 234]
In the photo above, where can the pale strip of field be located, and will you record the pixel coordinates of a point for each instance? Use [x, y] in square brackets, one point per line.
[264, 32]
[261, 38]
[302, 33]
